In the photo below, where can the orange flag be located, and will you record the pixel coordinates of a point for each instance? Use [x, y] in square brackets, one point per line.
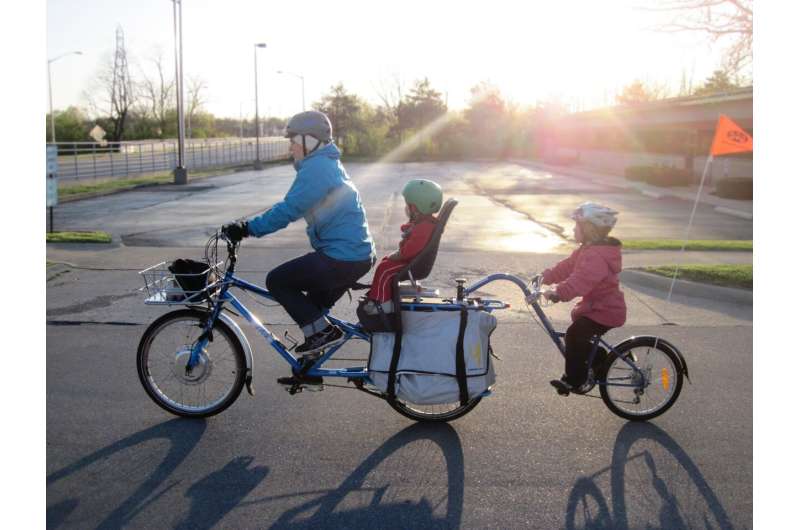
[730, 138]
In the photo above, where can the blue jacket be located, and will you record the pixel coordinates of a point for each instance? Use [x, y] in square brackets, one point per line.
[325, 196]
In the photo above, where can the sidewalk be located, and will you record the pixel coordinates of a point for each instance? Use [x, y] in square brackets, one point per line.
[737, 208]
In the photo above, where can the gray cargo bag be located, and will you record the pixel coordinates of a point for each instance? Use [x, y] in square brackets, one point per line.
[428, 371]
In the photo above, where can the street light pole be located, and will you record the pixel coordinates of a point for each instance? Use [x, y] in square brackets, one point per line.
[302, 85]
[50, 92]
[258, 125]
[180, 173]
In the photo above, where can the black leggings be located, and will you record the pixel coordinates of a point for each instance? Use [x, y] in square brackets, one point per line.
[579, 346]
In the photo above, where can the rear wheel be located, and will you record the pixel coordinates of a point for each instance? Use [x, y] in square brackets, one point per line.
[433, 413]
[649, 390]
[211, 386]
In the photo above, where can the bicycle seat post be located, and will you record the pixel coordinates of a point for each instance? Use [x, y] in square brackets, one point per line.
[460, 289]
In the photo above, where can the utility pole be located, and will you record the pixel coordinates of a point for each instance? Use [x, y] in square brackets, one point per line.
[258, 125]
[180, 173]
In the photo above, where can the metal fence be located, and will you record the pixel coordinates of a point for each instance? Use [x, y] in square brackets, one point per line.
[89, 160]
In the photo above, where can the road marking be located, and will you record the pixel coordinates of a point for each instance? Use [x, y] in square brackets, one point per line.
[735, 213]
[651, 194]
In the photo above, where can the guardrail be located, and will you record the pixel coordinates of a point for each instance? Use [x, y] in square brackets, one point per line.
[90, 160]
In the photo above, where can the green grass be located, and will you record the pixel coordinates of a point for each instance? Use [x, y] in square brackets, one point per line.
[675, 244]
[69, 189]
[724, 275]
[79, 237]
[113, 185]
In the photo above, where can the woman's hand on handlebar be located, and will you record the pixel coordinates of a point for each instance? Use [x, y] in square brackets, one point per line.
[235, 232]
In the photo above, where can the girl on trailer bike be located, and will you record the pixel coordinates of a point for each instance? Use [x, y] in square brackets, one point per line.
[592, 272]
[324, 195]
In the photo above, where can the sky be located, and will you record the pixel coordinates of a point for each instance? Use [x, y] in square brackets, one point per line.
[582, 52]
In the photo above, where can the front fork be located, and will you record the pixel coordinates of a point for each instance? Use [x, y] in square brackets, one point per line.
[208, 334]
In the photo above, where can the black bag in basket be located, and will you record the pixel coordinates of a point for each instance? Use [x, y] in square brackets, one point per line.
[192, 276]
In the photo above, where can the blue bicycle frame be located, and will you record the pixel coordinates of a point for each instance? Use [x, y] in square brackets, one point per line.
[355, 331]
[224, 296]
[558, 336]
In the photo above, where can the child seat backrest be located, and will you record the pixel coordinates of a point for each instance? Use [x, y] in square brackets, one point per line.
[422, 265]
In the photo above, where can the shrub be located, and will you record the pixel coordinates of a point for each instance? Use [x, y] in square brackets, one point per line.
[659, 175]
[735, 188]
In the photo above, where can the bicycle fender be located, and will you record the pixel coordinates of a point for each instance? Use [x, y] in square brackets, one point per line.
[684, 367]
[248, 351]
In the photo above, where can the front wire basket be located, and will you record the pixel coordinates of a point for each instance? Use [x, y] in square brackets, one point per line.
[163, 287]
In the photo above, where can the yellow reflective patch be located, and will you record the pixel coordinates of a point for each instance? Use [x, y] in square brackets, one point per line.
[665, 378]
[476, 354]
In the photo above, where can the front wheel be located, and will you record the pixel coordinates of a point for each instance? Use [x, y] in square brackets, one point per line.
[649, 390]
[208, 388]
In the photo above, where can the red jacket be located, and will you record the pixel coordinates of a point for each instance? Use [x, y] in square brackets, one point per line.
[592, 271]
[415, 236]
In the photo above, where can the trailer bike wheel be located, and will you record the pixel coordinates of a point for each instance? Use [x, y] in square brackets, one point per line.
[433, 413]
[653, 390]
[211, 386]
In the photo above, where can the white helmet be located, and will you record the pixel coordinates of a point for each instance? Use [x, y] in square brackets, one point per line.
[596, 214]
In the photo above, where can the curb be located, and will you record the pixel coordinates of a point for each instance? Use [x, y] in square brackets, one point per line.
[735, 213]
[587, 174]
[687, 288]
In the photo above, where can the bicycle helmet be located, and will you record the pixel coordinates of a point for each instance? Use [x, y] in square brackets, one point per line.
[596, 214]
[311, 122]
[426, 195]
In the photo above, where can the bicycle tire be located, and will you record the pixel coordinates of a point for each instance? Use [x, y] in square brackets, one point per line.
[170, 403]
[676, 374]
[414, 412]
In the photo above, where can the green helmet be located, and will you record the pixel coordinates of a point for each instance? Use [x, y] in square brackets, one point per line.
[426, 195]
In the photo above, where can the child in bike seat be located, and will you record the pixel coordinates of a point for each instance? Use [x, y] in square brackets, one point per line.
[423, 200]
[592, 272]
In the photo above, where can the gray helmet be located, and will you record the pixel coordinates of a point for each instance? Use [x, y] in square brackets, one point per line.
[313, 123]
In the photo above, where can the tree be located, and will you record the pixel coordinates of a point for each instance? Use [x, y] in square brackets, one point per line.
[638, 92]
[71, 125]
[420, 107]
[729, 21]
[195, 98]
[718, 82]
[345, 112]
[111, 97]
[157, 94]
[488, 120]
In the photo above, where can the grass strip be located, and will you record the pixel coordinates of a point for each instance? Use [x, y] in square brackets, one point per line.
[68, 189]
[724, 275]
[699, 244]
[79, 237]
[113, 185]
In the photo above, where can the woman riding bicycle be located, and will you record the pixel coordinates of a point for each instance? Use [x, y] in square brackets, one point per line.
[325, 196]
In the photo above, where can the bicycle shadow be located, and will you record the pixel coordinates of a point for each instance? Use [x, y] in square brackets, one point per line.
[661, 487]
[182, 435]
[382, 512]
[220, 492]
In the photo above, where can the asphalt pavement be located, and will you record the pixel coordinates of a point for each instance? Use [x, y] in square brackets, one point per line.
[524, 458]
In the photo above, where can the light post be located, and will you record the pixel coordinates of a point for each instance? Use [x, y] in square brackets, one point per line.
[258, 126]
[302, 85]
[50, 90]
[180, 173]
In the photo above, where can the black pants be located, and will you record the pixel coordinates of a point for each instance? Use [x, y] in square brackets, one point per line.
[579, 346]
[309, 285]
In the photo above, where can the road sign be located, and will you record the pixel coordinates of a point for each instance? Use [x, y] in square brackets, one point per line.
[52, 191]
[52, 160]
[98, 135]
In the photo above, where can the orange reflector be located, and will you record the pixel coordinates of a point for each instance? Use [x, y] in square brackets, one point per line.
[665, 378]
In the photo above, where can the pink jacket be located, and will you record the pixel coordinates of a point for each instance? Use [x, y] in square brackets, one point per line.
[592, 271]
